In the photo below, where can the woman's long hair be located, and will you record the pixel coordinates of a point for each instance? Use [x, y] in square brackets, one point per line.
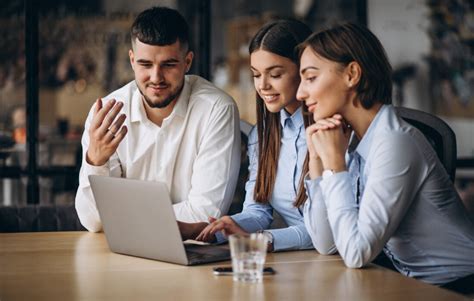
[279, 37]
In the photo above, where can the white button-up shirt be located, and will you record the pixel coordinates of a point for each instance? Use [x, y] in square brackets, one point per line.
[196, 152]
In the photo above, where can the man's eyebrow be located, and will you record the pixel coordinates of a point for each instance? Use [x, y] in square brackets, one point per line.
[143, 61]
[172, 60]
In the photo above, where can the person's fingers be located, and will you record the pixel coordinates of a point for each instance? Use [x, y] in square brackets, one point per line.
[204, 236]
[212, 231]
[98, 105]
[320, 126]
[316, 137]
[311, 129]
[110, 117]
[328, 123]
[334, 121]
[201, 235]
[102, 113]
[310, 132]
[115, 127]
[207, 233]
[119, 136]
[97, 128]
[217, 226]
[95, 122]
[108, 137]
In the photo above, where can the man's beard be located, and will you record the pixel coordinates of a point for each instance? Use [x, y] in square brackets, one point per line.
[165, 102]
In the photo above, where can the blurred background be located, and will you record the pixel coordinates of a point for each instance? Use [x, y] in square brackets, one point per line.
[58, 56]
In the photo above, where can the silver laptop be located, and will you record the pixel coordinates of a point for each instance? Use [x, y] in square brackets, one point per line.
[138, 219]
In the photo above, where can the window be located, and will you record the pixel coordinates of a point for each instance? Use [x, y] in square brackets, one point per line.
[58, 58]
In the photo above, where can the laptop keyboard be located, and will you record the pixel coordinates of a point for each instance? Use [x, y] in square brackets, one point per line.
[195, 256]
[201, 254]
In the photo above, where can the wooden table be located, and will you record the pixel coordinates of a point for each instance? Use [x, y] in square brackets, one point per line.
[80, 266]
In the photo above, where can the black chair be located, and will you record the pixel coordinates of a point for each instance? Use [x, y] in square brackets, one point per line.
[437, 132]
[239, 195]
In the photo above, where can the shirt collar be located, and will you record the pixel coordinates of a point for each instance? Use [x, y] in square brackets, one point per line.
[137, 108]
[181, 106]
[364, 145]
[296, 118]
[138, 113]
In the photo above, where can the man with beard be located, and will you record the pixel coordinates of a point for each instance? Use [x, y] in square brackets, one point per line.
[164, 126]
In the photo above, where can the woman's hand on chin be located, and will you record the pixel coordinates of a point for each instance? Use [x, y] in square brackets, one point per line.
[330, 140]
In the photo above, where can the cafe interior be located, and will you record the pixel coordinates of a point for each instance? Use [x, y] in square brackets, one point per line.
[57, 57]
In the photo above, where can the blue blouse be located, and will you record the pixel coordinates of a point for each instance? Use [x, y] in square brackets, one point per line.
[406, 206]
[256, 216]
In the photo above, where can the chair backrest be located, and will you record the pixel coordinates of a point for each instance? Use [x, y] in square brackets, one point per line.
[33, 218]
[245, 127]
[437, 132]
[239, 195]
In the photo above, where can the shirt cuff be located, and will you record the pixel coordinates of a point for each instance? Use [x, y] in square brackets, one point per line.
[247, 222]
[102, 170]
[279, 242]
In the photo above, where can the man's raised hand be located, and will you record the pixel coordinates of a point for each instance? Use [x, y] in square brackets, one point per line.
[106, 132]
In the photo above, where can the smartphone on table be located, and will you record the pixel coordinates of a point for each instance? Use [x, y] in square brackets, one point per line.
[226, 271]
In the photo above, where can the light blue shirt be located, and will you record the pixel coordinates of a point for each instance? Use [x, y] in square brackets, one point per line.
[256, 216]
[408, 206]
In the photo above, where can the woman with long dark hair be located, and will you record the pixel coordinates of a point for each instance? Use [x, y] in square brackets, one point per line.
[277, 146]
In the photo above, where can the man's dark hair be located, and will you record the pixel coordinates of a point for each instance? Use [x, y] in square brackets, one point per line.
[160, 26]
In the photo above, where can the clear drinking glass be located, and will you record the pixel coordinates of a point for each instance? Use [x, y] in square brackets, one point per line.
[248, 256]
